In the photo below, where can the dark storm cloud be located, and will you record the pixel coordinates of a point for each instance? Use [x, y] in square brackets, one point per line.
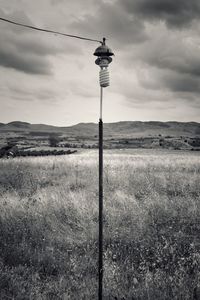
[111, 21]
[181, 83]
[168, 61]
[27, 63]
[161, 80]
[164, 80]
[47, 95]
[173, 53]
[180, 64]
[19, 51]
[176, 13]
[25, 50]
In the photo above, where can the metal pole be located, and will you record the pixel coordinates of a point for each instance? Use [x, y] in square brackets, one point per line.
[101, 102]
[104, 59]
[100, 199]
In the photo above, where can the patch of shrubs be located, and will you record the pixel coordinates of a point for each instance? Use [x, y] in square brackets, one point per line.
[44, 152]
[8, 154]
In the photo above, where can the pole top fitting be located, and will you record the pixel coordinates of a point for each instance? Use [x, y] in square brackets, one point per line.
[103, 50]
[104, 54]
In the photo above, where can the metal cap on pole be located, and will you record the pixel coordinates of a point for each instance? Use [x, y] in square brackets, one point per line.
[104, 59]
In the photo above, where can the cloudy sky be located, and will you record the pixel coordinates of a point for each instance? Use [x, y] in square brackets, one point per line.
[155, 74]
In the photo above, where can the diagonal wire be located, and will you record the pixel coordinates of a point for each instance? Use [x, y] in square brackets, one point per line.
[50, 31]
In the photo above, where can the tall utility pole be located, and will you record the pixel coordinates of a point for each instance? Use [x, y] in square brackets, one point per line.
[104, 58]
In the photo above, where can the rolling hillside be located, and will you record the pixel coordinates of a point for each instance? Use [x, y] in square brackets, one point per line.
[120, 135]
[126, 129]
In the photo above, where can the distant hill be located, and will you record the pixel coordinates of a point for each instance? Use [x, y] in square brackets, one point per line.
[119, 135]
[120, 129]
[129, 129]
[153, 128]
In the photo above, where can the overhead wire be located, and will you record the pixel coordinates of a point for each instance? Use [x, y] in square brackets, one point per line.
[48, 30]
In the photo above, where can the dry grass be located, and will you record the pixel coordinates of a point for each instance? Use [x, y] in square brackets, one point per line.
[49, 223]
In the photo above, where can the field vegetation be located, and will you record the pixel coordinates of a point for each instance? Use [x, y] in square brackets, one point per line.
[49, 226]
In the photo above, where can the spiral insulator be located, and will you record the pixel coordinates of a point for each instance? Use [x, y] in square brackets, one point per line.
[104, 78]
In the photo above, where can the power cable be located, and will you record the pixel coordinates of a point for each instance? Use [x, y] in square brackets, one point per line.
[50, 31]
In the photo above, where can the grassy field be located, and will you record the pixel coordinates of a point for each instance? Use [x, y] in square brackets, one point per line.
[49, 226]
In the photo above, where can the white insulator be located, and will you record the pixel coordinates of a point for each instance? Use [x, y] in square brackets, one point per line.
[104, 78]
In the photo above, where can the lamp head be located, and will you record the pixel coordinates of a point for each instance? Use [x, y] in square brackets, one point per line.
[104, 54]
[103, 50]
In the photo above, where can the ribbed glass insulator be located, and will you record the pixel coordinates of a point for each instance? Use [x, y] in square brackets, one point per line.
[104, 78]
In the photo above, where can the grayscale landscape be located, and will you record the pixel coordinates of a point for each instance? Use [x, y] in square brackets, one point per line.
[100, 150]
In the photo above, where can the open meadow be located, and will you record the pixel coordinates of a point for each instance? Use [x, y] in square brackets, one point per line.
[49, 226]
